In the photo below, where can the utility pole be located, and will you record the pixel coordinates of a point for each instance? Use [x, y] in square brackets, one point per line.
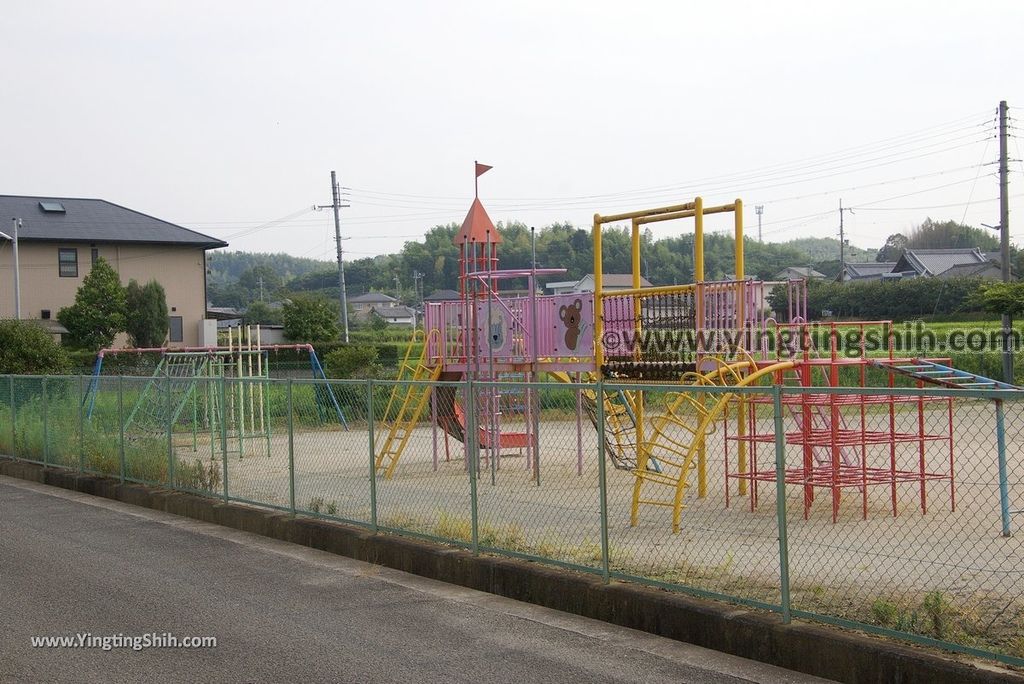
[759, 209]
[842, 238]
[336, 205]
[261, 287]
[398, 289]
[417, 285]
[17, 269]
[1004, 238]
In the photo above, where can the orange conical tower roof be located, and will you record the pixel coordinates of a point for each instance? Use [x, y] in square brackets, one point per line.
[477, 227]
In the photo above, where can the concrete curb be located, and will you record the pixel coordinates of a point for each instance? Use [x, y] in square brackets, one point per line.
[812, 649]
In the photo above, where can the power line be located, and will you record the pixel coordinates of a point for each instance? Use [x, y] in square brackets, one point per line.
[820, 159]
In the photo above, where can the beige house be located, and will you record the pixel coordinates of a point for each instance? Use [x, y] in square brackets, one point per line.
[60, 238]
[609, 281]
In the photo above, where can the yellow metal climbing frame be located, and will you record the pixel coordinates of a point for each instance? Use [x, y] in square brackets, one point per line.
[677, 435]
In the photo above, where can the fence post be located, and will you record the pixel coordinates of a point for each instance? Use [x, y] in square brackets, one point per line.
[81, 423]
[14, 418]
[373, 454]
[1004, 489]
[291, 448]
[224, 436]
[474, 457]
[120, 424]
[602, 484]
[46, 424]
[170, 431]
[780, 503]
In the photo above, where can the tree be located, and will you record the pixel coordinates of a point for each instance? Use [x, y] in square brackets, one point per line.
[892, 249]
[310, 319]
[377, 322]
[147, 320]
[98, 313]
[950, 235]
[1003, 298]
[28, 349]
[262, 313]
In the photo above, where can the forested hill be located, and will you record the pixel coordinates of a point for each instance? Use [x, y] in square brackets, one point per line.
[238, 278]
[224, 268]
[235, 278]
[820, 249]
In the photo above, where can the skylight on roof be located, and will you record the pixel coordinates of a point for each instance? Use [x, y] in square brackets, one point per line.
[51, 206]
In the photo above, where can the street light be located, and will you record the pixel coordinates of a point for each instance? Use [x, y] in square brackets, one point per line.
[17, 270]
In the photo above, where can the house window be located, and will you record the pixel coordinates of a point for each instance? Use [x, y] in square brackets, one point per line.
[175, 325]
[67, 258]
[94, 253]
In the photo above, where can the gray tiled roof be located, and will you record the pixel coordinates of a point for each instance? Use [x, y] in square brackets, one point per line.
[94, 220]
[935, 261]
[969, 270]
[868, 268]
[371, 298]
[393, 311]
[802, 271]
[442, 296]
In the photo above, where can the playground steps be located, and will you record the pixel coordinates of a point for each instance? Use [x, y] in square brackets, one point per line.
[619, 423]
[944, 376]
[406, 404]
[619, 427]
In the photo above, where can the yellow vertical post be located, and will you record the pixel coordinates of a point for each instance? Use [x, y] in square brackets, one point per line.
[741, 408]
[598, 304]
[698, 240]
[698, 276]
[638, 397]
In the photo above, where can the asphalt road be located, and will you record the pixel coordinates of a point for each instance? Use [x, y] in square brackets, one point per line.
[71, 564]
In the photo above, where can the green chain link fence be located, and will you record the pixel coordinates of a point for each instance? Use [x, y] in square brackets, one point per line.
[545, 471]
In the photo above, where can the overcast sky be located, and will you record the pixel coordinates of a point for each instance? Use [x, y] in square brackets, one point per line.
[226, 116]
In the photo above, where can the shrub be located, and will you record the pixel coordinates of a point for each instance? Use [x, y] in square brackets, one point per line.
[354, 360]
[28, 349]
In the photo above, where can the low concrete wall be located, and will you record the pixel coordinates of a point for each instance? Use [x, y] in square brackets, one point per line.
[813, 649]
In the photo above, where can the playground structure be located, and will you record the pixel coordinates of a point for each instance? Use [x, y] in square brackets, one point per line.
[186, 392]
[705, 342]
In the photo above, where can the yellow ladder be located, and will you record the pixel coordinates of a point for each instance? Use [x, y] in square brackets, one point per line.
[407, 402]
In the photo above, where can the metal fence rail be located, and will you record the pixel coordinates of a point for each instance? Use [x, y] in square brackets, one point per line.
[896, 517]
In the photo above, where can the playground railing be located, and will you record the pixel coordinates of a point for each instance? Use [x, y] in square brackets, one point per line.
[892, 511]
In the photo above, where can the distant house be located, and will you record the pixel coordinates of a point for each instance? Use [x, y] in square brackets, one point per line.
[395, 315]
[609, 281]
[868, 270]
[562, 287]
[442, 296]
[362, 304]
[797, 272]
[946, 263]
[62, 237]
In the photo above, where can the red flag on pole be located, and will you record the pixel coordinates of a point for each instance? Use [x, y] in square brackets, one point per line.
[481, 169]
